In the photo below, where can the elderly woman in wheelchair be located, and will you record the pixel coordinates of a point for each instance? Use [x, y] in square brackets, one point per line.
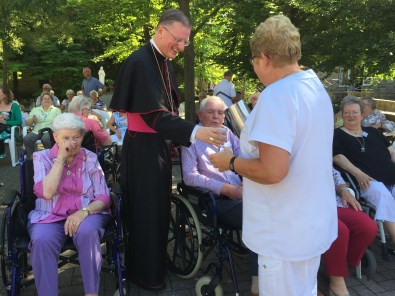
[81, 106]
[72, 201]
[365, 153]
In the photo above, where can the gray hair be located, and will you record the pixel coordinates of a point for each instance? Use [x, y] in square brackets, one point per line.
[94, 92]
[172, 16]
[68, 121]
[78, 103]
[47, 86]
[69, 92]
[46, 94]
[370, 101]
[211, 99]
[349, 100]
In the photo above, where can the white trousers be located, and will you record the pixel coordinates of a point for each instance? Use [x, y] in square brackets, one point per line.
[287, 278]
[383, 200]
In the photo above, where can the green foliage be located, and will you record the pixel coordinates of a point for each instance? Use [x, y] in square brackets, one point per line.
[53, 39]
[59, 64]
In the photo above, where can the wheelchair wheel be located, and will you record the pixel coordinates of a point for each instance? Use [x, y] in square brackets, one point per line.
[185, 235]
[8, 272]
[368, 263]
[202, 287]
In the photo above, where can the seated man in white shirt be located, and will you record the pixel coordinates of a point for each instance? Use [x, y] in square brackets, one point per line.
[226, 186]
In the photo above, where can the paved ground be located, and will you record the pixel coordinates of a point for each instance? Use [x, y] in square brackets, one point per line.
[381, 283]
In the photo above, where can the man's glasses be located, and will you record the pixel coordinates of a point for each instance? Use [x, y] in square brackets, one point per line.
[252, 60]
[178, 41]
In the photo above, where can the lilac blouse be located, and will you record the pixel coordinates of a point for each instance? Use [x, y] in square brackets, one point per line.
[338, 181]
[82, 183]
[199, 172]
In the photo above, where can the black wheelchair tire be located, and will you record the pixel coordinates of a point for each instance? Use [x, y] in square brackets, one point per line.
[6, 265]
[184, 256]
[368, 263]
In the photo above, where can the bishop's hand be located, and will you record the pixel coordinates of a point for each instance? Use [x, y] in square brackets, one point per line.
[211, 135]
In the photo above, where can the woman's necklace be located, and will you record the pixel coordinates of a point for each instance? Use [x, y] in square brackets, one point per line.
[362, 144]
[168, 93]
[356, 135]
[67, 165]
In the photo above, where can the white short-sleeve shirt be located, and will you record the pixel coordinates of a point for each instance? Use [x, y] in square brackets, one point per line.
[295, 219]
[226, 91]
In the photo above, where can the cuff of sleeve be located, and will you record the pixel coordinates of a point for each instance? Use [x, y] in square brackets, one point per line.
[103, 198]
[193, 135]
[216, 187]
[38, 189]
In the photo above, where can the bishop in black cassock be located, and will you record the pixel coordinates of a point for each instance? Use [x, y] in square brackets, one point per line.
[146, 89]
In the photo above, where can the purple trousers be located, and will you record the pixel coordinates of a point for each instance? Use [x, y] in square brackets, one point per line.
[46, 243]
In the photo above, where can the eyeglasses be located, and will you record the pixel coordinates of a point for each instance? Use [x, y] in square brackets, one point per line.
[351, 113]
[252, 60]
[178, 41]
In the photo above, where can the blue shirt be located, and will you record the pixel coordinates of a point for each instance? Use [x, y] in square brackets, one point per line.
[91, 84]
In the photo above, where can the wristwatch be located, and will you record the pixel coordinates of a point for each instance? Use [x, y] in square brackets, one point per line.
[231, 164]
[86, 210]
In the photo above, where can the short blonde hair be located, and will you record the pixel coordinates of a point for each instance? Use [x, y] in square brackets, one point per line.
[69, 92]
[279, 39]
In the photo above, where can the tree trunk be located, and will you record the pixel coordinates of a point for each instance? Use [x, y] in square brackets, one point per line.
[189, 70]
[15, 85]
[5, 63]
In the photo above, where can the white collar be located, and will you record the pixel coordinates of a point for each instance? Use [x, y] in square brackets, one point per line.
[156, 47]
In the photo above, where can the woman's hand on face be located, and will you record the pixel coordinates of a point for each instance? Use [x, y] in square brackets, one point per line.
[65, 149]
[221, 159]
[73, 222]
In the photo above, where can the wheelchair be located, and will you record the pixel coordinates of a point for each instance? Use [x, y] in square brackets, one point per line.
[386, 252]
[194, 234]
[14, 237]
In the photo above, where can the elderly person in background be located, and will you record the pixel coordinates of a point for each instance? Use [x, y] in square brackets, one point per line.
[288, 130]
[47, 88]
[374, 118]
[198, 171]
[40, 117]
[72, 201]
[356, 231]
[366, 154]
[120, 120]
[65, 103]
[90, 83]
[99, 108]
[81, 106]
[10, 115]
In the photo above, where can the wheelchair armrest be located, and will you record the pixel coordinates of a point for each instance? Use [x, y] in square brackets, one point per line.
[116, 188]
[9, 197]
[182, 189]
[45, 130]
[349, 179]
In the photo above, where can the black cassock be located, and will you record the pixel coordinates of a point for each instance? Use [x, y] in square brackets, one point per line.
[146, 160]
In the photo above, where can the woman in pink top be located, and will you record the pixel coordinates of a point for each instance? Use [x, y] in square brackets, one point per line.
[72, 201]
[81, 106]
